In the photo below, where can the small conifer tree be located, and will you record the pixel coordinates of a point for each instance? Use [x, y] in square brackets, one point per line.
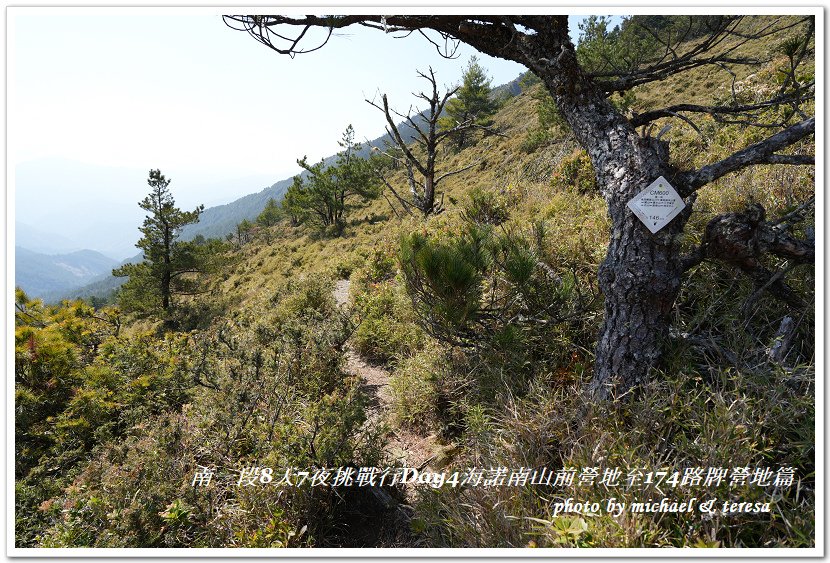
[472, 103]
[271, 215]
[153, 281]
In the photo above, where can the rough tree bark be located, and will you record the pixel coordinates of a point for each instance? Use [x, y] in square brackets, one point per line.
[642, 272]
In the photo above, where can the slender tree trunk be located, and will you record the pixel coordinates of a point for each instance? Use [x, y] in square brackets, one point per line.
[429, 196]
[461, 140]
[165, 275]
[165, 290]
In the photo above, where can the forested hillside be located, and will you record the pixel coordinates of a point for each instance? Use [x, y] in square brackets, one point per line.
[220, 220]
[267, 389]
[42, 274]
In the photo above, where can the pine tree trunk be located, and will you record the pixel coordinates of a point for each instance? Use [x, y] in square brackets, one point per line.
[429, 196]
[640, 279]
[165, 275]
[640, 276]
[165, 289]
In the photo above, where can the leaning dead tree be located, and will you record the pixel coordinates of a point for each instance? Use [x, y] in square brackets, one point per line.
[642, 273]
[428, 138]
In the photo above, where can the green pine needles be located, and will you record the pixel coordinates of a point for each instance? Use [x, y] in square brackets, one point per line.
[167, 261]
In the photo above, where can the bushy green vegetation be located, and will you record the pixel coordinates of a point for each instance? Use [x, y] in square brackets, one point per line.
[387, 331]
[271, 215]
[471, 104]
[416, 384]
[81, 383]
[327, 193]
[264, 390]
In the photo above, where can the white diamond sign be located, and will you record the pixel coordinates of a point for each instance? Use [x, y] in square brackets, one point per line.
[657, 205]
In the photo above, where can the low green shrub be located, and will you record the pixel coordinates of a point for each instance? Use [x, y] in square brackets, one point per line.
[414, 391]
[486, 207]
[269, 392]
[387, 329]
[576, 173]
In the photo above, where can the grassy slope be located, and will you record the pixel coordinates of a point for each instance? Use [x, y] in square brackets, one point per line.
[577, 228]
[501, 165]
[703, 412]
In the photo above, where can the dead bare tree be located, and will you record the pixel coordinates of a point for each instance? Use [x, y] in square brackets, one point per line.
[643, 271]
[428, 137]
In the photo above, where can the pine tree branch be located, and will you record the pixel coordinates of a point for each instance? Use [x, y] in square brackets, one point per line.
[672, 111]
[454, 172]
[760, 153]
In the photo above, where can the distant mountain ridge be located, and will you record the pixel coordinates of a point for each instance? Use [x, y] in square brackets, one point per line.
[217, 222]
[41, 274]
[44, 242]
[220, 220]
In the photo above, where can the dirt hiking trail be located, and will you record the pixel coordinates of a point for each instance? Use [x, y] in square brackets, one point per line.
[403, 446]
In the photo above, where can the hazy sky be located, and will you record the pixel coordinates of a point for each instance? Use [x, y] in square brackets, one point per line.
[183, 92]
[98, 96]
